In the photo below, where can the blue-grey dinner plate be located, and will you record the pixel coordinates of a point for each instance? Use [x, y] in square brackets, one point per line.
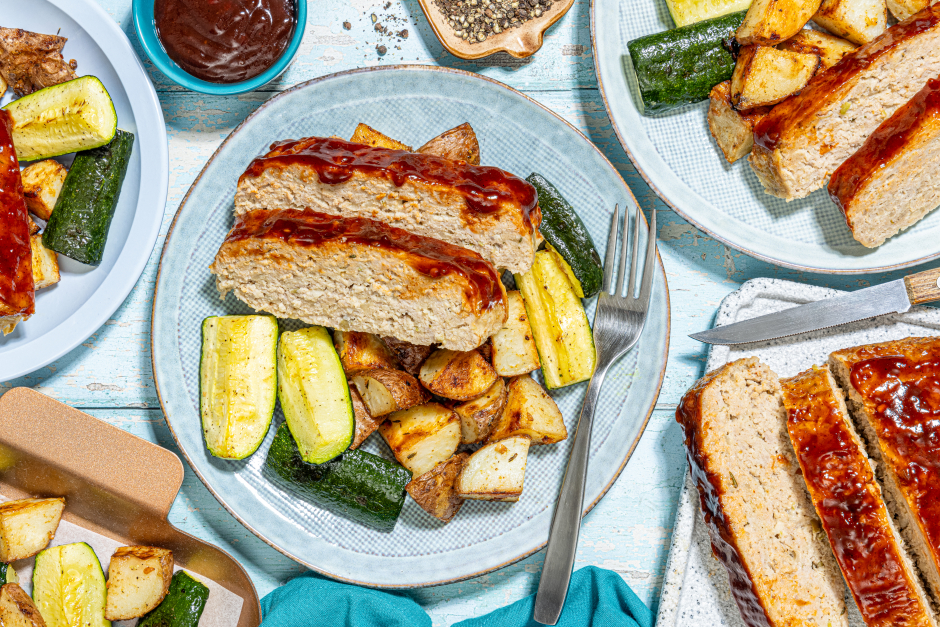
[413, 104]
[86, 296]
[676, 155]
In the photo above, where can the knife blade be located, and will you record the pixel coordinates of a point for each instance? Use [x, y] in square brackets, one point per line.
[892, 297]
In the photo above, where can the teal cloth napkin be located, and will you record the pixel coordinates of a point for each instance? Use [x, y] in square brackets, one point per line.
[596, 598]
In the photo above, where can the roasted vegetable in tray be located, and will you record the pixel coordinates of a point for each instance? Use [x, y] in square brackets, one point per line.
[182, 606]
[138, 580]
[27, 526]
[17, 609]
[69, 586]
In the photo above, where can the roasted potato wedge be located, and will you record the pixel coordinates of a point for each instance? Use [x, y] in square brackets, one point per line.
[859, 21]
[27, 526]
[42, 182]
[764, 76]
[459, 143]
[903, 9]
[33, 227]
[45, 264]
[496, 472]
[365, 134]
[514, 350]
[138, 580]
[477, 416]
[768, 22]
[531, 412]
[409, 355]
[435, 490]
[422, 437]
[362, 351]
[829, 48]
[384, 391]
[461, 376]
[365, 423]
[17, 609]
[732, 130]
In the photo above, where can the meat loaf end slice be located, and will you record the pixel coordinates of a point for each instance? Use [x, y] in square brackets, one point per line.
[802, 141]
[759, 516]
[356, 274]
[893, 390]
[876, 566]
[893, 180]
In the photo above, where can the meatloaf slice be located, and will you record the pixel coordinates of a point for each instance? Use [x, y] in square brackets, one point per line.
[893, 391]
[17, 291]
[357, 274]
[806, 137]
[838, 473]
[760, 519]
[480, 208]
[893, 181]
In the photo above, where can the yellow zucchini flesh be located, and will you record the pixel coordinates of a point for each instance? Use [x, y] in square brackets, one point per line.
[237, 383]
[685, 12]
[559, 325]
[314, 394]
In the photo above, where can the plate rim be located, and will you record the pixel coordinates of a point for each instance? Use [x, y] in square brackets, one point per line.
[155, 370]
[711, 232]
[117, 285]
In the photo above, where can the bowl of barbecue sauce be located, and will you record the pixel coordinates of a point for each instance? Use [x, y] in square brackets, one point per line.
[220, 46]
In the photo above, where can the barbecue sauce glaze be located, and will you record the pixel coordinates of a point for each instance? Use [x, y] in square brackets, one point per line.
[16, 258]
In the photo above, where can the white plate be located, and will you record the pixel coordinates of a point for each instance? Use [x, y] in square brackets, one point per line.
[69, 312]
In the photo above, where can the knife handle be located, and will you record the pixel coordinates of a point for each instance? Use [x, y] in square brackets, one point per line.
[923, 287]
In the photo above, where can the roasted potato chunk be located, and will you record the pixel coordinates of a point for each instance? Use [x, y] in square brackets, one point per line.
[903, 9]
[33, 227]
[138, 580]
[732, 130]
[42, 182]
[385, 391]
[829, 48]
[496, 472]
[45, 264]
[461, 376]
[768, 22]
[409, 355]
[477, 416]
[859, 21]
[365, 134]
[362, 351]
[27, 526]
[531, 412]
[764, 76]
[514, 350]
[435, 491]
[365, 423]
[422, 437]
[17, 609]
[459, 143]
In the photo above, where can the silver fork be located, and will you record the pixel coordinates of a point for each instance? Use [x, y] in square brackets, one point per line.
[618, 322]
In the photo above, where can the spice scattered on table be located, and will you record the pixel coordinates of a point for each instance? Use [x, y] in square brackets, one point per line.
[475, 20]
[381, 49]
[347, 25]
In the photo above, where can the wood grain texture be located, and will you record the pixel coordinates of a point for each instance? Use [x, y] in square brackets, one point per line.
[110, 376]
[923, 287]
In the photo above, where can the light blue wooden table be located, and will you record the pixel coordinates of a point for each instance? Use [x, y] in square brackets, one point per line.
[110, 376]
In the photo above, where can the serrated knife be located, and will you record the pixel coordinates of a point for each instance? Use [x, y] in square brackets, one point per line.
[892, 297]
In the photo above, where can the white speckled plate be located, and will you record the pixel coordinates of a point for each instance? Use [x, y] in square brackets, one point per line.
[676, 155]
[412, 103]
[695, 587]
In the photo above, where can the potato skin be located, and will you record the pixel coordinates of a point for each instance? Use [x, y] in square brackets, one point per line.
[365, 423]
[435, 490]
[409, 355]
[403, 388]
[478, 416]
[460, 376]
[362, 351]
[459, 143]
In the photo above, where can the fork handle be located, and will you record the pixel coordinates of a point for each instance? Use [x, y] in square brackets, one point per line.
[566, 522]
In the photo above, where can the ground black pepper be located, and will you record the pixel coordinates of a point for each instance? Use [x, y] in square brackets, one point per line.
[475, 20]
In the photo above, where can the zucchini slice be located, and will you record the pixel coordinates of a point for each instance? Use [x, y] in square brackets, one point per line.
[685, 12]
[562, 333]
[182, 606]
[69, 587]
[237, 383]
[68, 117]
[314, 394]
[8, 574]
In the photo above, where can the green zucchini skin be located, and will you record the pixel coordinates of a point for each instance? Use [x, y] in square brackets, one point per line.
[563, 229]
[182, 606]
[680, 66]
[358, 485]
[8, 574]
[82, 216]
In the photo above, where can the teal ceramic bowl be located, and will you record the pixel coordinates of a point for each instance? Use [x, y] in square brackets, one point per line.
[147, 35]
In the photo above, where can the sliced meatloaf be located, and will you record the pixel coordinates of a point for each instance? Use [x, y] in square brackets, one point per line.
[893, 390]
[17, 291]
[893, 180]
[802, 141]
[761, 521]
[480, 208]
[357, 274]
[839, 476]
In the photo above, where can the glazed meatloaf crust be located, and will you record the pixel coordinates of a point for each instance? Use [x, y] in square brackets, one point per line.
[357, 274]
[893, 390]
[17, 293]
[802, 141]
[893, 181]
[879, 572]
[480, 208]
[759, 517]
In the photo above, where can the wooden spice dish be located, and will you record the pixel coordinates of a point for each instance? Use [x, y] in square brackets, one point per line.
[521, 42]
